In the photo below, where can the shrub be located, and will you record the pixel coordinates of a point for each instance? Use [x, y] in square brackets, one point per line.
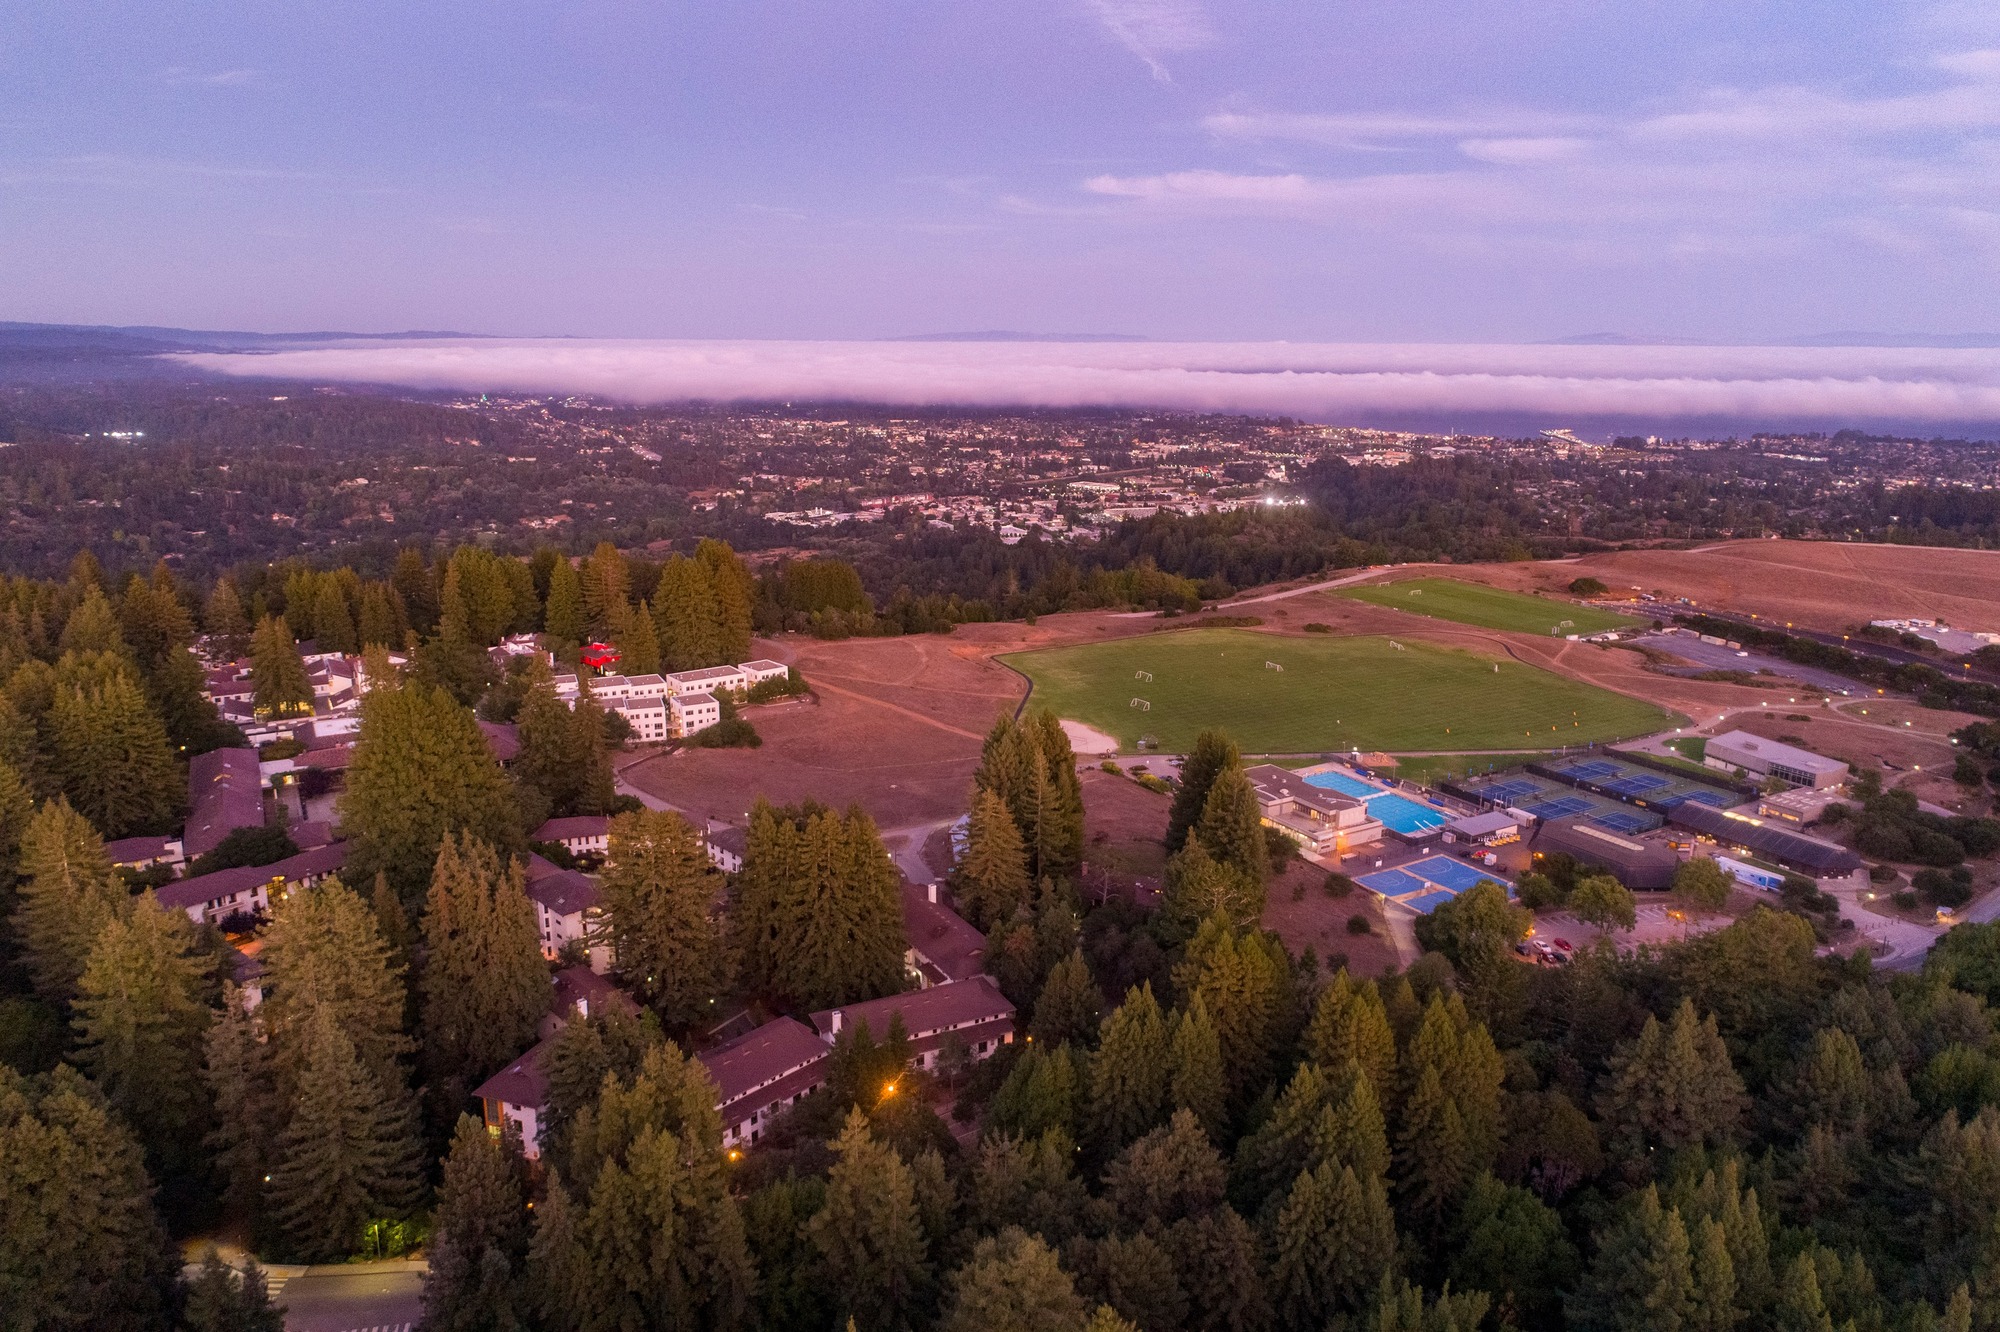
[1299, 891]
[1338, 884]
[1152, 783]
[1359, 924]
[264, 845]
[1883, 874]
[1282, 850]
[1945, 888]
[1109, 765]
[1934, 848]
[1315, 627]
[1905, 900]
[734, 733]
[1588, 587]
[289, 747]
[1835, 813]
[1538, 892]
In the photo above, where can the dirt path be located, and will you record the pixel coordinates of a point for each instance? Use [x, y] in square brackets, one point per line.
[819, 683]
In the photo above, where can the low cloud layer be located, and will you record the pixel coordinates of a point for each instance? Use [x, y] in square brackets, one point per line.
[1801, 387]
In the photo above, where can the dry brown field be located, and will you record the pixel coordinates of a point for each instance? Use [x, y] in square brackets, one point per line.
[1319, 922]
[1826, 585]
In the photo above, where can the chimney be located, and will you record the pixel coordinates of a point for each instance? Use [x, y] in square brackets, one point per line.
[836, 1022]
[931, 888]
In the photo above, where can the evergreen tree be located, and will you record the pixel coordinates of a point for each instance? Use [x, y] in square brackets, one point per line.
[112, 758]
[689, 619]
[1045, 1089]
[1350, 1022]
[1217, 1258]
[580, 1056]
[1507, 1241]
[349, 1154]
[660, 889]
[1333, 1242]
[92, 626]
[1232, 831]
[152, 621]
[1130, 1073]
[1350, 1130]
[80, 1247]
[455, 658]
[1270, 1157]
[1168, 1175]
[607, 590]
[221, 1300]
[140, 1021]
[1199, 886]
[227, 623]
[416, 582]
[1400, 1307]
[990, 881]
[1643, 1276]
[382, 621]
[333, 619]
[1070, 1006]
[1213, 752]
[870, 1244]
[1029, 1183]
[1059, 813]
[324, 954]
[548, 760]
[788, 1289]
[564, 618]
[1245, 980]
[818, 908]
[1012, 1284]
[596, 791]
[277, 671]
[421, 769]
[480, 1242]
[237, 1070]
[1196, 1083]
[1673, 1086]
[660, 1240]
[485, 985]
[735, 594]
[68, 897]
[639, 644]
[1437, 1162]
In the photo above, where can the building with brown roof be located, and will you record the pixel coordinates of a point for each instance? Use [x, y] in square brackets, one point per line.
[971, 1014]
[224, 794]
[580, 834]
[761, 1075]
[517, 1095]
[943, 944]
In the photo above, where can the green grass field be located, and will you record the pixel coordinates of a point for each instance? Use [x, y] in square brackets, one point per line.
[1334, 694]
[1487, 607]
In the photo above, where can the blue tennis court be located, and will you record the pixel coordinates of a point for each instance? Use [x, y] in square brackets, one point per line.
[1341, 782]
[1509, 792]
[1592, 770]
[1619, 821]
[1637, 784]
[1714, 799]
[1403, 815]
[1448, 873]
[1392, 883]
[1429, 902]
[1560, 807]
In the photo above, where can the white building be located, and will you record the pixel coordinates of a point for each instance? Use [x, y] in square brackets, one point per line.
[1753, 754]
[688, 713]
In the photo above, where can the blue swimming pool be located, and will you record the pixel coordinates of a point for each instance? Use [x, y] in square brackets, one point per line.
[1341, 782]
[1404, 816]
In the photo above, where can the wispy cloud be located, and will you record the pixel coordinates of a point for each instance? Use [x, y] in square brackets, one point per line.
[1150, 29]
[181, 76]
[1800, 386]
[1719, 170]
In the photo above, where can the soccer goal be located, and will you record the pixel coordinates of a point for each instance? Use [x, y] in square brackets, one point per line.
[1273, 666]
[1142, 705]
[1398, 646]
[1142, 675]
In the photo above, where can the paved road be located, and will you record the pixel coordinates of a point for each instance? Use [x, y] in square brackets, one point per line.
[355, 1298]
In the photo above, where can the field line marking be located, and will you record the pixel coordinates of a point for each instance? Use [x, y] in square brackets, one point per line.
[876, 702]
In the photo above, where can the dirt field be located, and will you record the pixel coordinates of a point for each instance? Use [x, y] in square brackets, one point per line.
[1821, 584]
[1319, 922]
[1123, 828]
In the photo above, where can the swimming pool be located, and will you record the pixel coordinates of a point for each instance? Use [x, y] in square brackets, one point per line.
[1403, 815]
[1341, 782]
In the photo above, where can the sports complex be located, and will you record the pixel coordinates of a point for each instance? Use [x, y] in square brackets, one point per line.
[1425, 885]
[1290, 695]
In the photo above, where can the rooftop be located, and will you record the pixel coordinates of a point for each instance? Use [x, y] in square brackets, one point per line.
[758, 1059]
[520, 1083]
[223, 795]
[184, 893]
[565, 892]
[940, 1008]
[1771, 751]
[577, 825]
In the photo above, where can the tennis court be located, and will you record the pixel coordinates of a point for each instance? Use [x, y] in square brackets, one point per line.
[1392, 883]
[1427, 884]
[1641, 785]
[1448, 873]
[1546, 800]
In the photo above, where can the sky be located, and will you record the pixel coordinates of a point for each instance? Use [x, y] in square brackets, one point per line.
[1317, 171]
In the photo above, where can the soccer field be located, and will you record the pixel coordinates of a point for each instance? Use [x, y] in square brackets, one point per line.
[1333, 694]
[1488, 607]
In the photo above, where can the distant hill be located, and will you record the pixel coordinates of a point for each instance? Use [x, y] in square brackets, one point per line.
[69, 353]
[1838, 339]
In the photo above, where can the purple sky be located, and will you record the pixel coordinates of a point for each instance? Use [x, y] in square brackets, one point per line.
[1368, 171]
